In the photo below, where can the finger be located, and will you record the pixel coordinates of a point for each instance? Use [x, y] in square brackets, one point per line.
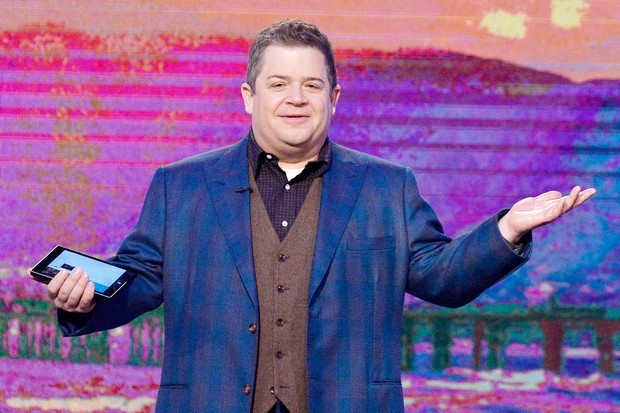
[87, 302]
[569, 202]
[549, 196]
[67, 287]
[579, 197]
[54, 286]
[553, 209]
[585, 195]
[78, 291]
[560, 205]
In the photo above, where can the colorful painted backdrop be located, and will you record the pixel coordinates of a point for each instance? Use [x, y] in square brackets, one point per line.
[487, 101]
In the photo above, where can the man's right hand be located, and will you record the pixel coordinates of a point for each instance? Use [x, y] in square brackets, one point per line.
[72, 292]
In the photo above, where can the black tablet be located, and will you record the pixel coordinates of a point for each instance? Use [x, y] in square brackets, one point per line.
[108, 279]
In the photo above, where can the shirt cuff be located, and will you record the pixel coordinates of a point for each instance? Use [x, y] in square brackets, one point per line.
[520, 248]
[516, 248]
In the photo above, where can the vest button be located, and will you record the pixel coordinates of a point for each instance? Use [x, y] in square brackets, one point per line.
[272, 390]
[279, 322]
[246, 389]
[282, 257]
[252, 328]
[279, 355]
[281, 288]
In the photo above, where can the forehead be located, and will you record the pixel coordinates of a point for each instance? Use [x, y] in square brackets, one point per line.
[293, 61]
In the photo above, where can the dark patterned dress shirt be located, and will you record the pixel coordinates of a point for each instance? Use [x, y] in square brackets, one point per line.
[283, 198]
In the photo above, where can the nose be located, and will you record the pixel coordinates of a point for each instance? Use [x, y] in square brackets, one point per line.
[296, 95]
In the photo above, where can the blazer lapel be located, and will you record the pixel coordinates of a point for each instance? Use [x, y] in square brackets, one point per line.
[341, 187]
[228, 184]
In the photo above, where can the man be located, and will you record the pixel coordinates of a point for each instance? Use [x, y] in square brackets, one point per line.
[283, 259]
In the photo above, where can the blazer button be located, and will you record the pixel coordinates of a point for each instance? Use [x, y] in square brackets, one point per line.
[252, 328]
[247, 389]
[279, 355]
[279, 322]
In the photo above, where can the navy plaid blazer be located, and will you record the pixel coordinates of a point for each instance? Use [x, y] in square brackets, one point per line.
[377, 239]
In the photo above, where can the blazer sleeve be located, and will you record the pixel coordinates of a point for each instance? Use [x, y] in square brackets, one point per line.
[141, 254]
[449, 272]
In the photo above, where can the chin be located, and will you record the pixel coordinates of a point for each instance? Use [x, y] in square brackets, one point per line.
[296, 139]
[301, 143]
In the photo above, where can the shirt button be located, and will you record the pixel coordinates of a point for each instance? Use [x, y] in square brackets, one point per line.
[287, 187]
[272, 390]
[268, 156]
[246, 389]
[279, 355]
[279, 322]
[281, 288]
[285, 223]
[252, 328]
[282, 257]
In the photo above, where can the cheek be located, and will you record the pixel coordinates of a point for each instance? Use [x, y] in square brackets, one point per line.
[260, 112]
[267, 109]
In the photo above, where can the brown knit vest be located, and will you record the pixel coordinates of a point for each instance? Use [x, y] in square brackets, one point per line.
[282, 277]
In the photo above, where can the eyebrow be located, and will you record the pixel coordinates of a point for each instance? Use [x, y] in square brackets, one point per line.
[306, 79]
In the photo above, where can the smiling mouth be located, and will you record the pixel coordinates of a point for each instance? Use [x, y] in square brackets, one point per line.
[295, 118]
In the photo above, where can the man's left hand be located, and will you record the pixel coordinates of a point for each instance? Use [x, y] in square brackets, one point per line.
[533, 212]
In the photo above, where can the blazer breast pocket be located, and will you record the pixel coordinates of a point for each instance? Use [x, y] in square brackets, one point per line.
[370, 259]
[370, 244]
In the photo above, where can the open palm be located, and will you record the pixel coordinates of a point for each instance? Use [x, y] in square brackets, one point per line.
[533, 212]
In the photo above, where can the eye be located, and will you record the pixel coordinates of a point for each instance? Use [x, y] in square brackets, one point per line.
[278, 85]
[313, 86]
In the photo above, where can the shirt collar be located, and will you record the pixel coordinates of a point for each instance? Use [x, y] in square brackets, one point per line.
[258, 156]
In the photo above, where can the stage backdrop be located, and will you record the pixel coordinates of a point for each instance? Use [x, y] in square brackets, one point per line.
[488, 101]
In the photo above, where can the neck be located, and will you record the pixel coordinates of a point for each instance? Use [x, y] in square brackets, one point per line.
[291, 156]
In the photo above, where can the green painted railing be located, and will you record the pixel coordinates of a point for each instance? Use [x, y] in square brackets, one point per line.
[31, 332]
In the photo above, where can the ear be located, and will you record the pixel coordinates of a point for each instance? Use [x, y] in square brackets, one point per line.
[334, 98]
[248, 98]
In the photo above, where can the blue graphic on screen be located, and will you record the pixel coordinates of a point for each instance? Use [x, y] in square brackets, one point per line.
[103, 275]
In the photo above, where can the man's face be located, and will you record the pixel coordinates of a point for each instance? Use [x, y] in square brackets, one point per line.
[291, 105]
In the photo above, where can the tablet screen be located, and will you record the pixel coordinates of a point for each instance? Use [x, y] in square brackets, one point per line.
[106, 277]
[103, 275]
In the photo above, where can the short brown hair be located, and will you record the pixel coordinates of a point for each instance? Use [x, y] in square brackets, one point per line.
[291, 33]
